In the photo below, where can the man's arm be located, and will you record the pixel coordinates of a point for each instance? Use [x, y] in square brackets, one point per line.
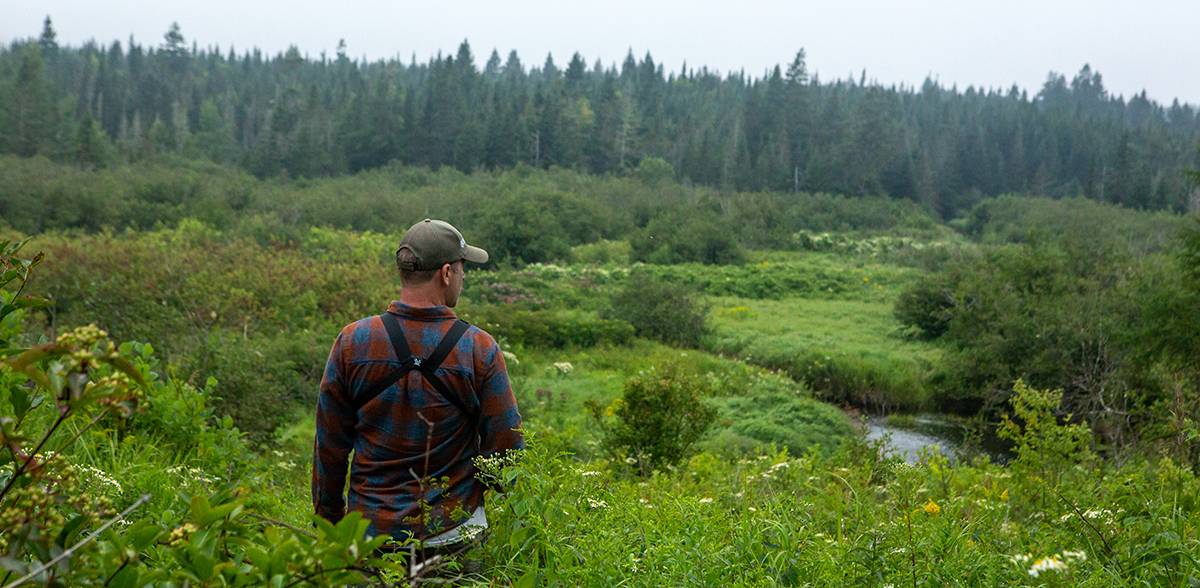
[336, 419]
[499, 419]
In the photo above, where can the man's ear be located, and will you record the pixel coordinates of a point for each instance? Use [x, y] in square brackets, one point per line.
[446, 273]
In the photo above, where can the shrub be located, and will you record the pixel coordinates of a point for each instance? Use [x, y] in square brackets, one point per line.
[658, 418]
[676, 237]
[552, 328]
[1041, 441]
[926, 306]
[601, 252]
[662, 310]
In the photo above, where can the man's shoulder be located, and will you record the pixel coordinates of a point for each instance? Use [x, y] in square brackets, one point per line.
[361, 330]
[482, 339]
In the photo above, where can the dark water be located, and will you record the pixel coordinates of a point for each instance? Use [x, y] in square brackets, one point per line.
[911, 434]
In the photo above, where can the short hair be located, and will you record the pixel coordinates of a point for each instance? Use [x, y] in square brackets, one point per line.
[405, 257]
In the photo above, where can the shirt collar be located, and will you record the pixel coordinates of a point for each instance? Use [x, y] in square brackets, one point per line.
[421, 313]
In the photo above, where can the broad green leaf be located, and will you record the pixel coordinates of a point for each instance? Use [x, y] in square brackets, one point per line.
[126, 578]
[128, 368]
[143, 534]
[527, 580]
[18, 397]
[67, 535]
[217, 513]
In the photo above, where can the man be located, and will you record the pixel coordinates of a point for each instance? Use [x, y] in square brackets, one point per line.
[417, 394]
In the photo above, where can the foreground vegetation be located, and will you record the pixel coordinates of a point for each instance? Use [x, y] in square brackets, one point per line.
[673, 387]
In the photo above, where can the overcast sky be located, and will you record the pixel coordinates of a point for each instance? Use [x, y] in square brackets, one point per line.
[1152, 44]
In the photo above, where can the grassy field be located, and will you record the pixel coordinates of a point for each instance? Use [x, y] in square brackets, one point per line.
[780, 490]
[848, 350]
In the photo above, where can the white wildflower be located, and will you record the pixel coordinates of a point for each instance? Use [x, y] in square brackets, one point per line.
[1050, 563]
[706, 500]
[589, 473]
[596, 503]
[99, 477]
[563, 367]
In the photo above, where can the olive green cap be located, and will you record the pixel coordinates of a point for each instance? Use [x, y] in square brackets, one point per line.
[435, 243]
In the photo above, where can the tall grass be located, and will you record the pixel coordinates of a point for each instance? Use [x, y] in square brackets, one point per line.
[849, 351]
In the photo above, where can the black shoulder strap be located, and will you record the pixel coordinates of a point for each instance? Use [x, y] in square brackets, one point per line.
[427, 367]
[399, 343]
[449, 340]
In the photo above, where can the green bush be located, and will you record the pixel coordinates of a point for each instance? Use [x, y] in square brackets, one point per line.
[601, 252]
[551, 328]
[676, 237]
[659, 417]
[926, 306]
[1040, 440]
[662, 310]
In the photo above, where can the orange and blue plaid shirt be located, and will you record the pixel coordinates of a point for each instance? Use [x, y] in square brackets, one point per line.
[409, 443]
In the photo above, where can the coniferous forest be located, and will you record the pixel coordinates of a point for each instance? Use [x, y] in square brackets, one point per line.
[785, 130]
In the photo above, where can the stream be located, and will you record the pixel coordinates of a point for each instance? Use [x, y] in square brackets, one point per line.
[925, 430]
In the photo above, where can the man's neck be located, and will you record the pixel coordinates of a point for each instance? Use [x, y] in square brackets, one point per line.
[417, 296]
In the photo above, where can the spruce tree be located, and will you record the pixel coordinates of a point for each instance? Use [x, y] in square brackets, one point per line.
[30, 108]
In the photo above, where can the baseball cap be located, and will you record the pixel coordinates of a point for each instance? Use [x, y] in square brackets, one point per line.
[435, 243]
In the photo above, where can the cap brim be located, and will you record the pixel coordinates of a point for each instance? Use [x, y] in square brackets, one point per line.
[474, 254]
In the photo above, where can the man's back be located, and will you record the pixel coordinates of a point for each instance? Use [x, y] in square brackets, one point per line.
[410, 444]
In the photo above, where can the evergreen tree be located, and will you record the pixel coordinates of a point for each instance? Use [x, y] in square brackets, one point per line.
[91, 145]
[786, 130]
[30, 108]
[48, 40]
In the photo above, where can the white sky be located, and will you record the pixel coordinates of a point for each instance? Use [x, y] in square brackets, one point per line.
[1151, 44]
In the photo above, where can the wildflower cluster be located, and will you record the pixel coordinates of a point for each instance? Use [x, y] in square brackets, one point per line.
[1057, 562]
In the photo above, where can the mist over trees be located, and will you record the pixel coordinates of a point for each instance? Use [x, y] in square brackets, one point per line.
[784, 130]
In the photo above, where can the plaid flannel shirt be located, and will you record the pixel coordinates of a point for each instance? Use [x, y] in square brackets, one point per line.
[395, 451]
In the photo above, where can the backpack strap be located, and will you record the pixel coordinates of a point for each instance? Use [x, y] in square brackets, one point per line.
[426, 367]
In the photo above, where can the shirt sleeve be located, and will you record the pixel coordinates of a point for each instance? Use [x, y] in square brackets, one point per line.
[499, 420]
[336, 420]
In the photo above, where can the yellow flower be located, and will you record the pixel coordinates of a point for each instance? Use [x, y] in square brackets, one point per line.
[932, 507]
[1004, 495]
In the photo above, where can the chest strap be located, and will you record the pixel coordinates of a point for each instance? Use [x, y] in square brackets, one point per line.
[427, 367]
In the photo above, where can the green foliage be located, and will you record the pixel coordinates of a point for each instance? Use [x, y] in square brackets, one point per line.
[84, 396]
[676, 237]
[654, 171]
[781, 274]
[551, 328]
[1028, 311]
[1040, 441]
[661, 310]
[1082, 225]
[932, 148]
[602, 252]
[847, 351]
[926, 307]
[852, 518]
[658, 418]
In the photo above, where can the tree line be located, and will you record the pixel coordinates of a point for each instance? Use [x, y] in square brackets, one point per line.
[298, 116]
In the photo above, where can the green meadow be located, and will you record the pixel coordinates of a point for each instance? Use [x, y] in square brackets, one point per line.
[689, 423]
